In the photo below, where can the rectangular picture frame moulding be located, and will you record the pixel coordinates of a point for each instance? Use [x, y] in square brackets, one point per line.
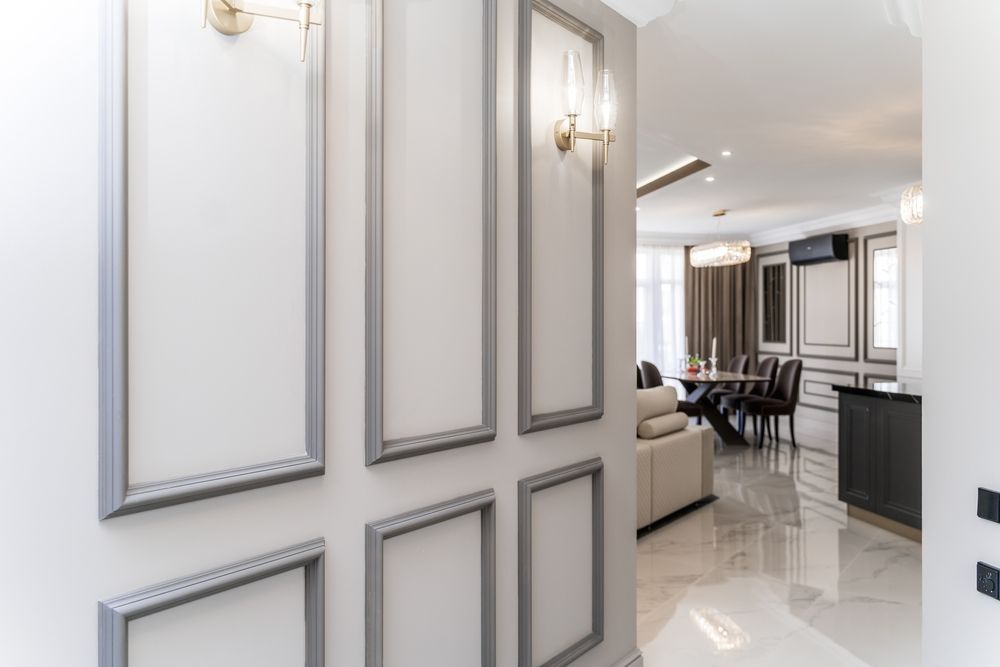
[114, 614]
[377, 449]
[117, 495]
[377, 532]
[528, 421]
[593, 468]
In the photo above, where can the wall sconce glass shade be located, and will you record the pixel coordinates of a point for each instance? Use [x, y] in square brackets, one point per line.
[911, 205]
[566, 132]
[606, 100]
[572, 83]
[720, 253]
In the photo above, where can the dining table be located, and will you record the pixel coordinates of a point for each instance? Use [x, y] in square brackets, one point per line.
[699, 385]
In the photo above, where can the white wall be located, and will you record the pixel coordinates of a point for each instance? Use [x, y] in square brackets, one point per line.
[59, 560]
[961, 132]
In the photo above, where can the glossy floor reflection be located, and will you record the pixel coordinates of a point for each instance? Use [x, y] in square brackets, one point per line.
[774, 572]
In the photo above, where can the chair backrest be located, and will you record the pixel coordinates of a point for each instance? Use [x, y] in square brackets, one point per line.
[738, 364]
[650, 375]
[638, 377]
[786, 386]
[768, 368]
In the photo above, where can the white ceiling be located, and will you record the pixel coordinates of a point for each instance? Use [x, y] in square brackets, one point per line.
[819, 100]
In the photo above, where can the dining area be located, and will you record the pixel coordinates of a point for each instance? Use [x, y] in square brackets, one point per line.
[715, 393]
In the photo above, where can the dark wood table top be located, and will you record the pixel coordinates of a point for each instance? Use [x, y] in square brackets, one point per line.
[716, 378]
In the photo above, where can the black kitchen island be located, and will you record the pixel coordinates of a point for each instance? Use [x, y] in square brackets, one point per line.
[880, 466]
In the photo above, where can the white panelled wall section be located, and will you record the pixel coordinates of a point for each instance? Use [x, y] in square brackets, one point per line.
[243, 309]
[960, 237]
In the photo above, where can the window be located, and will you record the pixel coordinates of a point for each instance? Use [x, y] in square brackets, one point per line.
[773, 309]
[659, 305]
[885, 298]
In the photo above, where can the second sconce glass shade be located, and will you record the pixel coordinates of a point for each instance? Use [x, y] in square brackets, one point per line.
[572, 83]
[911, 205]
[606, 100]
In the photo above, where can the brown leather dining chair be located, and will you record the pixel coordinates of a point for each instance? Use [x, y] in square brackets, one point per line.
[737, 364]
[651, 377]
[768, 368]
[782, 401]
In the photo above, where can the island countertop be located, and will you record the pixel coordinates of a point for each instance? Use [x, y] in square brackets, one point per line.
[911, 392]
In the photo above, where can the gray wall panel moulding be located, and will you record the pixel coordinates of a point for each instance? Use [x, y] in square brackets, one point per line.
[117, 496]
[852, 313]
[765, 348]
[527, 421]
[114, 614]
[871, 353]
[378, 450]
[593, 468]
[851, 378]
[378, 532]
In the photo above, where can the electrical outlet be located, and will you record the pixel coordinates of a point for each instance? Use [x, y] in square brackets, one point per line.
[988, 580]
[988, 506]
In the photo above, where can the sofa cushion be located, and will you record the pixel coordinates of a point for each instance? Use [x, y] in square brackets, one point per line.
[654, 427]
[654, 402]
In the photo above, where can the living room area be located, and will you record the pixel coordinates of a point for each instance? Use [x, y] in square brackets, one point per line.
[779, 336]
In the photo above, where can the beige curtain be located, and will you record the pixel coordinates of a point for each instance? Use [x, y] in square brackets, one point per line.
[719, 301]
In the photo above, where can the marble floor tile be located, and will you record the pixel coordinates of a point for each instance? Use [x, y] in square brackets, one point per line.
[775, 573]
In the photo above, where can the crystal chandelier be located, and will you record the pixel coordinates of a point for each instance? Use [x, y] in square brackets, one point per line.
[720, 253]
[911, 204]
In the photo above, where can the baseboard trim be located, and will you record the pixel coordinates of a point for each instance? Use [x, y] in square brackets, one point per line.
[885, 523]
[670, 518]
[633, 659]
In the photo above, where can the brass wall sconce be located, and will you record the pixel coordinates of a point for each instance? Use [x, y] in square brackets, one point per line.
[605, 106]
[234, 17]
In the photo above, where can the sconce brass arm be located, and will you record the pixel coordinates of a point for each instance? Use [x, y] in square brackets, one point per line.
[566, 135]
[233, 17]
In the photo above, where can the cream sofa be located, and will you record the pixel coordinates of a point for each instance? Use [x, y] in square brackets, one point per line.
[674, 459]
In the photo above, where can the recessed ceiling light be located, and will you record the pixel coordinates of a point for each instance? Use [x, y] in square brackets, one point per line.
[709, 179]
[637, 209]
[727, 153]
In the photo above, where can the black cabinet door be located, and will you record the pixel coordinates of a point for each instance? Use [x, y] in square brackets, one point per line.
[897, 494]
[857, 455]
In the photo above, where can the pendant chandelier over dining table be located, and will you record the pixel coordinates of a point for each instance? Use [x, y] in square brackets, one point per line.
[720, 253]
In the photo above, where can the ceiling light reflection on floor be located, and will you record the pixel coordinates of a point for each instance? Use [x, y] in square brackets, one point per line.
[720, 629]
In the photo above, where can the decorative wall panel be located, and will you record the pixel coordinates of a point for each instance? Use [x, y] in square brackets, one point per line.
[378, 532]
[776, 346]
[211, 320]
[594, 469]
[827, 296]
[873, 353]
[431, 221]
[116, 613]
[561, 324]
